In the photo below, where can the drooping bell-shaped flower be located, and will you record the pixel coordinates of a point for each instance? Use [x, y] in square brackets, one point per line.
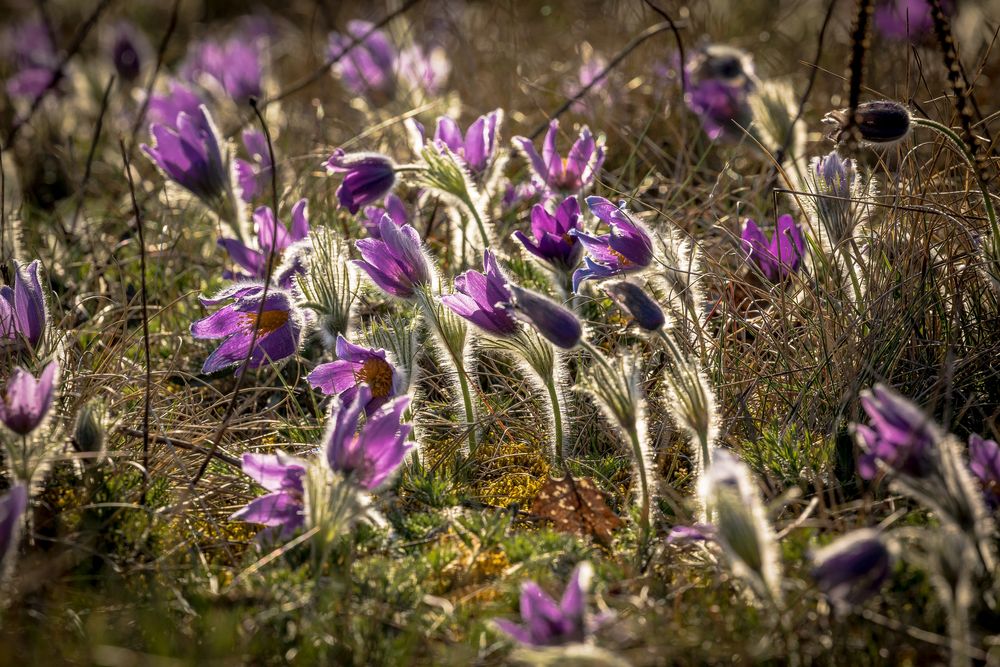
[369, 456]
[901, 437]
[880, 123]
[636, 303]
[395, 261]
[626, 249]
[780, 256]
[853, 568]
[357, 366]
[278, 329]
[484, 298]
[24, 315]
[367, 177]
[545, 622]
[282, 510]
[571, 174]
[554, 242]
[129, 51]
[559, 325]
[271, 234]
[26, 400]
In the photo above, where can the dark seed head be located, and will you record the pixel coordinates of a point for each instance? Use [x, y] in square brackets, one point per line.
[879, 123]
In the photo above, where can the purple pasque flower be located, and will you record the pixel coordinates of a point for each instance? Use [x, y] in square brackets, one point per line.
[372, 454]
[570, 174]
[393, 207]
[637, 304]
[544, 622]
[165, 108]
[779, 257]
[232, 66]
[128, 49]
[253, 175]
[27, 401]
[484, 298]
[554, 242]
[279, 327]
[357, 366]
[699, 532]
[901, 437]
[367, 177]
[29, 46]
[984, 460]
[478, 146]
[425, 70]
[282, 510]
[853, 568]
[719, 80]
[905, 19]
[559, 325]
[515, 194]
[626, 249]
[12, 507]
[395, 261]
[369, 69]
[24, 314]
[271, 234]
[192, 155]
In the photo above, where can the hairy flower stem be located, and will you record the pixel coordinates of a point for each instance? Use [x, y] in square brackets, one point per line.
[991, 215]
[452, 338]
[644, 501]
[550, 384]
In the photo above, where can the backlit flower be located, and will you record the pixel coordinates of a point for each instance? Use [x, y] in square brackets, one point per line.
[392, 206]
[254, 175]
[369, 68]
[232, 66]
[27, 401]
[637, 304]
[483, 298]
[281, 509]
[192, 155]
[23, 313]
[367, 177]
[478, 146]
[424, 69]
[554, 242]
[279, 327]
[271, 234]
[627, 248]
[395, 261]
[780, 256]
[372, 454]
[559, 325]
[356, 366]
[719, 80]
[901, 437]
[570, 174]
[544, 622]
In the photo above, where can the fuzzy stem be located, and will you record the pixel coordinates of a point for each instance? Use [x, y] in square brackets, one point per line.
[633, 434]
[467, 200]
[550, 384]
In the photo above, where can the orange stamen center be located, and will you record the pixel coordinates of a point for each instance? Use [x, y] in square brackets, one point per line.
[378, 374]
[270, 320]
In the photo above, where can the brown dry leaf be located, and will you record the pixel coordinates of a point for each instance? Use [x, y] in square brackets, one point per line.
[576, 506]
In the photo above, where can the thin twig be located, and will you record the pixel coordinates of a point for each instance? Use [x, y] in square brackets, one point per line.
[90, 154]
[161, 51]
[333, 60]
[182, 444]
[231, 407]
[146, 405]
[680, 43]
[633, 44]
[60, 69]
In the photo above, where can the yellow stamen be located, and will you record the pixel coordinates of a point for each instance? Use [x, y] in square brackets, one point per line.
[270, 320]
[378, 374]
